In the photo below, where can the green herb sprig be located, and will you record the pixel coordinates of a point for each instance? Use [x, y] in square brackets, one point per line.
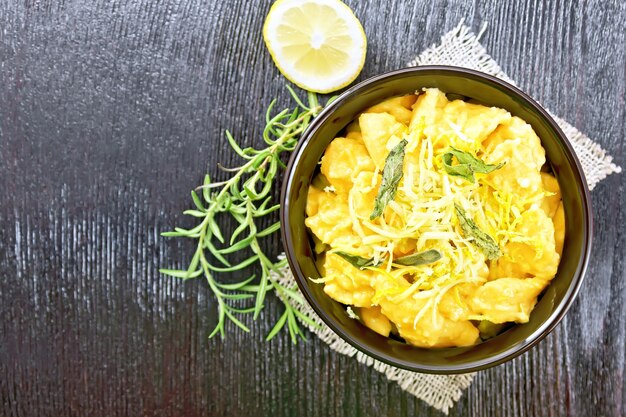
[467, 166]
[245, 196]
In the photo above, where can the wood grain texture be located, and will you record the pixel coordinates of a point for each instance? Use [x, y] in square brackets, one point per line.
[111, 111]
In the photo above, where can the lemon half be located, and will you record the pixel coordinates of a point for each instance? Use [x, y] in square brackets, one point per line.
[318, 45]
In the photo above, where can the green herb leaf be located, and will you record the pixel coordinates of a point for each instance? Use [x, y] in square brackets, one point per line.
[178, 273]
[461, 170]
[392, 174]
[237, 285]
[279, 325]
[357, 261]
[197, 201]
[420, 258]
[467, 166]
[481, 240]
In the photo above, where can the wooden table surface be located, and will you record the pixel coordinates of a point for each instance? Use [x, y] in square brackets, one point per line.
[112, 111]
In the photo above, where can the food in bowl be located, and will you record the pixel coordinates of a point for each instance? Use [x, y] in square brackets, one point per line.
[436, 219]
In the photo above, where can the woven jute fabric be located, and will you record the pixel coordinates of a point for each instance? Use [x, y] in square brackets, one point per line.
[459, 47]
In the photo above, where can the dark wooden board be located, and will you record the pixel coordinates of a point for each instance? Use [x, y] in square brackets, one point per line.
[111, 112]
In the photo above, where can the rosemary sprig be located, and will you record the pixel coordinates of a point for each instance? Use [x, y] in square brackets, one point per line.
[245, 196]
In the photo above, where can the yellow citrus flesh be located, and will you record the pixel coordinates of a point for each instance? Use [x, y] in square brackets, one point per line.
[318, 45]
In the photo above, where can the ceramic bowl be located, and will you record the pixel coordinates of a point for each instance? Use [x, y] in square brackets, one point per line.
[456, 83]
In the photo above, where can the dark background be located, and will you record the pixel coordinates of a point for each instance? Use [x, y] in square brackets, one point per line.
[112, 111]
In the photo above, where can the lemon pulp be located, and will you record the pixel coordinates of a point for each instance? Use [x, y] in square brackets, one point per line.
[317, 44]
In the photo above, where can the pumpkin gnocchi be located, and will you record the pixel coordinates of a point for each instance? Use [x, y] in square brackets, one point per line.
[438, 221]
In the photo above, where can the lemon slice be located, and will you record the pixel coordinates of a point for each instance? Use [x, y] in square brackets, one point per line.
[318, 45]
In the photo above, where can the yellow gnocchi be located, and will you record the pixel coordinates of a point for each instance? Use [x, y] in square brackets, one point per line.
[433, 216]
[343, 160]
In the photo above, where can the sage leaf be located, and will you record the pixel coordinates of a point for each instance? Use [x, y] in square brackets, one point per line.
[481, 240]
[420, 258]
[392, 174]
[467, 166]
[357, 261]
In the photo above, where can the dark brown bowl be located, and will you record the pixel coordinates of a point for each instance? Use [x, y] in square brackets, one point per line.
[487, 90]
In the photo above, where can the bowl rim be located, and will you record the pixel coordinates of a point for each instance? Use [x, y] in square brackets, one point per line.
[519, 348]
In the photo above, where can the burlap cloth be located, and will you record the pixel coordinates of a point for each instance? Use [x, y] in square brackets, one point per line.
[459, 47]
